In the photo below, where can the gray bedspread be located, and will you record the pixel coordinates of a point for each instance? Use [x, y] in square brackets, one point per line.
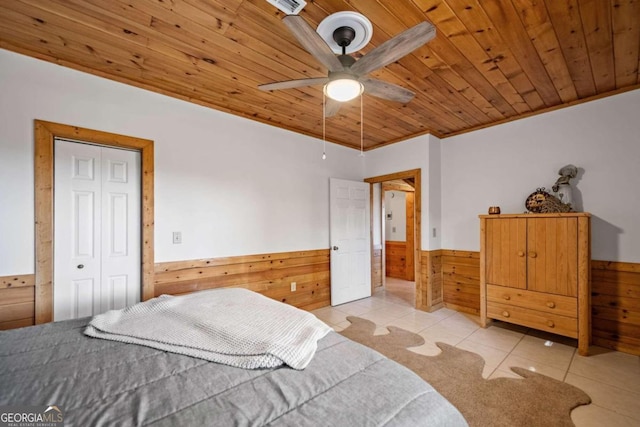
[98, 382]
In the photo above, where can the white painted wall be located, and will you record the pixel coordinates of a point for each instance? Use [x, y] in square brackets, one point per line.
[376, 216]
[395, 203]
[433, 196]
[422, 152]
[230, 185]
[502, 165]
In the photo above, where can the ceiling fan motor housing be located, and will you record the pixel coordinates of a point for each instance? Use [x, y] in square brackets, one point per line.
[347, 61]
[338, 75]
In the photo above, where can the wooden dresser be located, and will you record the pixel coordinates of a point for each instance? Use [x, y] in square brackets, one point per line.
[535, 272]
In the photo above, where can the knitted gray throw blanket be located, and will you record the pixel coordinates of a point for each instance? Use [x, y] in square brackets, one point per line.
[232, 326]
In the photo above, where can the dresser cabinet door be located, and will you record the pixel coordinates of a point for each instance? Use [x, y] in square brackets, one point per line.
[506, 246]
[552, 255]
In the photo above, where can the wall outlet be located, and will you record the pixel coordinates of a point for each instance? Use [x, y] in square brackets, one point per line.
[434, 232]
[293, 286]
[177, 237]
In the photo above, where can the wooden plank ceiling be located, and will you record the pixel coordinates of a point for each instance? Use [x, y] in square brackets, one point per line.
[491, 61]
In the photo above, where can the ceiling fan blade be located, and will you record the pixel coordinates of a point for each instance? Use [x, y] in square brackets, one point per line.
[395, 48]
[312, 42]
[331, 107]
[290, 84]
[386, 90]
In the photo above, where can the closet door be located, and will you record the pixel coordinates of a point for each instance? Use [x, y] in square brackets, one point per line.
[121, 219]
[97, 229]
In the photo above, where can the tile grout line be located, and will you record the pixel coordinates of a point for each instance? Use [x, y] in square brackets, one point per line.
[573, 357]
[511, 352]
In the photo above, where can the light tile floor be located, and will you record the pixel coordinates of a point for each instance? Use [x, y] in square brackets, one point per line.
[611, 378]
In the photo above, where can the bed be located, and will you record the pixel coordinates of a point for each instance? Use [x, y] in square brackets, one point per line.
[103, 382]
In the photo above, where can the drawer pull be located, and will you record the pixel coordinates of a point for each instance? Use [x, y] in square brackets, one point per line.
[505, 314]
[551, 304]
[533, 254]
[507, 297]
[520, 253]
[550, 323]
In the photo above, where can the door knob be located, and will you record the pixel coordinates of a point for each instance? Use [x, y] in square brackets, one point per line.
[533, 254]
[80, 266]
[520, 253]
[335, 248]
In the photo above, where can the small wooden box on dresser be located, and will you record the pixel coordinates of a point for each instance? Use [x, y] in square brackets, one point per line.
[535, 272]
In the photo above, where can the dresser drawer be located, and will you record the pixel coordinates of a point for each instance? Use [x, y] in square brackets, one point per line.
[561, 325]
[549, 303]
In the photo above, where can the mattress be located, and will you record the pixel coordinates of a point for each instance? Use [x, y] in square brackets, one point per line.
[100, 382]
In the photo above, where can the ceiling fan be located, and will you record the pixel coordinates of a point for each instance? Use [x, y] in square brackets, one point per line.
[347, 77]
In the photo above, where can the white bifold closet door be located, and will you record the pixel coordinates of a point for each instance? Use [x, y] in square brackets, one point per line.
[97, 261]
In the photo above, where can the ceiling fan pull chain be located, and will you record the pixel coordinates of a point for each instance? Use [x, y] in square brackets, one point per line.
[324, 119]
[361, 126]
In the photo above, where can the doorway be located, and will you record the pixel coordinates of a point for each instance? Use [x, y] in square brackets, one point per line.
[415, 177]
[45, 134]
[96, 229]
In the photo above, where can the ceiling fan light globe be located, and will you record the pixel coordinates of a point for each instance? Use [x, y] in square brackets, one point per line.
[343, 90]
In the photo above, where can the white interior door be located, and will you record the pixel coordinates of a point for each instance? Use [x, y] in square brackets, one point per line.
[97, 258]
[350, 241]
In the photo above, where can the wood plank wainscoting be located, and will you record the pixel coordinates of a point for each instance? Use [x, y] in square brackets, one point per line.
[269, 274]
[453, 279]
[376, 267]
[461, 280]
[395, 261]
[430, 297]
[17, 301]
[615, 294]
[615, 305]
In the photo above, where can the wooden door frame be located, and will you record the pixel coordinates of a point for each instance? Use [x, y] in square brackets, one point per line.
[410, 233]
[45, 134]
[416, 174]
